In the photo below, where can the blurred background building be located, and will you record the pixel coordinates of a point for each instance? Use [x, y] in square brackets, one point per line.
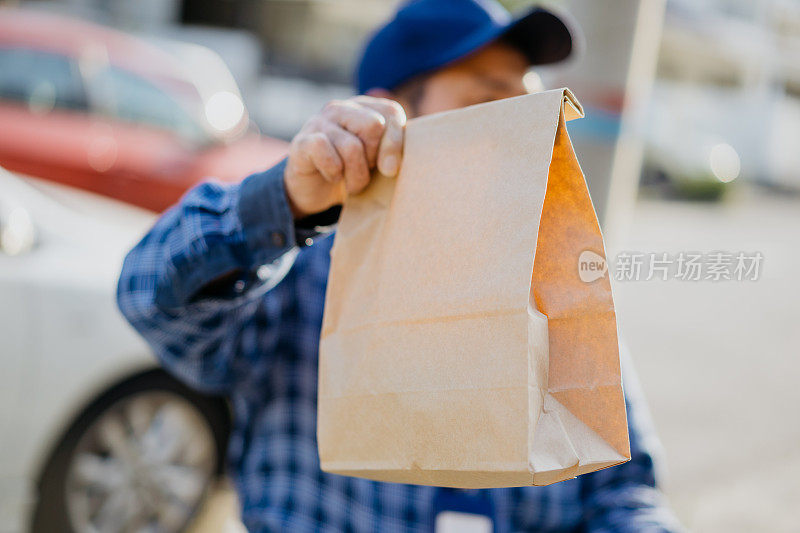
[290, 56]
[689, 143]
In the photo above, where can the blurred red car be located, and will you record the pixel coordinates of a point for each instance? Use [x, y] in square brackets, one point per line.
[101, 110]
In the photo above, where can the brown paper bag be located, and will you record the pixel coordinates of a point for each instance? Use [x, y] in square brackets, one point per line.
[459, 346]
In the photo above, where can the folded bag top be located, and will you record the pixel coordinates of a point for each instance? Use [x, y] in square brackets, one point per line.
[459, 345]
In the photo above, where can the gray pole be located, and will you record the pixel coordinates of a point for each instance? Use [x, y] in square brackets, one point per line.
[613, 80]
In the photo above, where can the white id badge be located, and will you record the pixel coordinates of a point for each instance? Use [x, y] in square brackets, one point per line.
[453, 522]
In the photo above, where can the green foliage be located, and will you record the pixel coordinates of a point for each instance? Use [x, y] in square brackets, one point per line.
[519, 5]
[706, 188]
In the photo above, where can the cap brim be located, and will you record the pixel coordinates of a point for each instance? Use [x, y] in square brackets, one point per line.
[543, 36]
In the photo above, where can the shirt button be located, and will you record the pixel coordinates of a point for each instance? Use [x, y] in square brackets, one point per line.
[278, 238]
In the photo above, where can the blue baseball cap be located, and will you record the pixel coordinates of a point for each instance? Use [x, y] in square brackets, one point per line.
[427, 34]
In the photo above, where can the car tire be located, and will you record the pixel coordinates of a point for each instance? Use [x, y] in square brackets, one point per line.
[112, 444]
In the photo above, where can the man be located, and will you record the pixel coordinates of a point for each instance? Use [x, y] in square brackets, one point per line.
[228, 289]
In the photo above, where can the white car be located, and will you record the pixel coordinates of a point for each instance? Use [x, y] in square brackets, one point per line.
[94, 437]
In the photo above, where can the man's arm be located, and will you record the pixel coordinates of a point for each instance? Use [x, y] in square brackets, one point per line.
[626, 497]
[192, 285]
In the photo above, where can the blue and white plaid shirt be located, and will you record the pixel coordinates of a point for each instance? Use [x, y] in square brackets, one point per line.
[197, 288]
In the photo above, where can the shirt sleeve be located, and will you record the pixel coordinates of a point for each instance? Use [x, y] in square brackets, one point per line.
[240, 239]
[626, 498]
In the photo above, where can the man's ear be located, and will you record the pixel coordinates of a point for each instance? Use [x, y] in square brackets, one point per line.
[377, 92]
[383, 93]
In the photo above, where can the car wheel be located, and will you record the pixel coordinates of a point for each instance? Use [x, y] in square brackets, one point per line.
[140, 458]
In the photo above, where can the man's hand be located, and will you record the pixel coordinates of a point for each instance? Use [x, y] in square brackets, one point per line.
[335, 152]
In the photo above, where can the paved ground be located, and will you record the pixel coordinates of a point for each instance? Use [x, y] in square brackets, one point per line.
[718, 361]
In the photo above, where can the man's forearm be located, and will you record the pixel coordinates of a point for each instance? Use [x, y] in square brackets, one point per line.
[186, 285]
[227, 234]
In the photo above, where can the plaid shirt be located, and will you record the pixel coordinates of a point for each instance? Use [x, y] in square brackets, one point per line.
[229, 293]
